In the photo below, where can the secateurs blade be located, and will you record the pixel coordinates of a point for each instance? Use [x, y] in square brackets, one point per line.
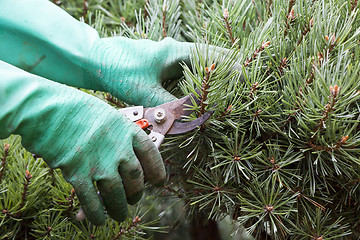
[167, 118]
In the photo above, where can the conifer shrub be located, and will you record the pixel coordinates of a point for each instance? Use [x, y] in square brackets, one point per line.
[281, 154]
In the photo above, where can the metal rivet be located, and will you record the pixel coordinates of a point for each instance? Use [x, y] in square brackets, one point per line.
[159, 115]
[153, 138]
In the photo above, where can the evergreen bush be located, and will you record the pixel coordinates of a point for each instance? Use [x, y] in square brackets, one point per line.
[281, 153]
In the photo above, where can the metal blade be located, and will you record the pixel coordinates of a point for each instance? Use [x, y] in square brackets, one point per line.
[183, 127]
[190, 102]
[174, 112]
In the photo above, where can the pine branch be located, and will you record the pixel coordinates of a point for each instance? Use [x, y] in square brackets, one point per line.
[283, 65]
[329, 107]
[256, 53]
[126, 230]
[301, 93]
[353, 5]
[146, 13]
[290, 16]
[305, 32]
[291, 4]
[205, 87]
[227, 26]
[70, 200]
[26, 184]
[290, 19]
[268, 6]
[337, 146]
[85, 8]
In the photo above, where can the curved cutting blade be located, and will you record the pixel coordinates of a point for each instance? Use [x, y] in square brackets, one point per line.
[183, 127]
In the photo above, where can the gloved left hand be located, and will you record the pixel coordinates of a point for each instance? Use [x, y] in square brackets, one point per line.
[84, 137]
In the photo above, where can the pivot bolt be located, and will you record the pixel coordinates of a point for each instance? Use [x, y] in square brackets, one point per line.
[159, 115]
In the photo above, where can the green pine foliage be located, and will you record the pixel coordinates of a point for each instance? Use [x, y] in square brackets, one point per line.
[281, 153]
[37, 203]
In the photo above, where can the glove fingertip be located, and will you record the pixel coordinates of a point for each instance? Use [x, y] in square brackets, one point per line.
[133, 199]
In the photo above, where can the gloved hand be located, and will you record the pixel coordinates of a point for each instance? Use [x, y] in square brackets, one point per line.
[133, 70]
[41, 38]
[84, 137]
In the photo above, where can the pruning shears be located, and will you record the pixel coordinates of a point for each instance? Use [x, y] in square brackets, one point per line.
[166, 119]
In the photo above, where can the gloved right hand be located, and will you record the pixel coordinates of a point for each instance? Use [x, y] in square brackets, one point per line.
[84, 137]
[41, 38]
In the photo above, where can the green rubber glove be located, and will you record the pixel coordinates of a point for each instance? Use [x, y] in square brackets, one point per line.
[84, 137]
[41, 38]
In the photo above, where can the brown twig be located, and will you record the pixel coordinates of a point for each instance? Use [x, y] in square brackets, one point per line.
[227, 111]
[283, 65]
[114, 100]
[257, 113]
[227, 26]
[329, 107]
[291, 4]
[48, 230]
[70, 200]
[164, 27]
[254, 88]
[268, 7]
[170, 189]
[146, 13]
[290, 16]
[310, 79]
[318, 205]
[3, 160]
[290, 19]
[256, 53]
[337, 146]
[305, 32]
[205, 87]
[85, 8]
[123, 231]
[353, 5]
[26, 184]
